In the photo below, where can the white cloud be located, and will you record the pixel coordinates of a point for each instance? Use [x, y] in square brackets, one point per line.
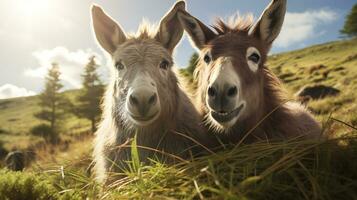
[299, 27]
[71, 64]
[11, 91]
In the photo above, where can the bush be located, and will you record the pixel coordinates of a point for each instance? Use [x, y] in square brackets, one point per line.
[45, 131]
[18, 185]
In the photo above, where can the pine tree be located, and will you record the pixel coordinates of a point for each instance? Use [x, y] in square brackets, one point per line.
[350, 27]
[192, 63]
[90, 98]
[52, 103]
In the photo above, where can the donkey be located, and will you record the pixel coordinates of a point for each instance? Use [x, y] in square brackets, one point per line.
[143, 99]
[237, 94]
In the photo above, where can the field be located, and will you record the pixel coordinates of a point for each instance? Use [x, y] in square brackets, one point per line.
[293, 169]
[332, 64]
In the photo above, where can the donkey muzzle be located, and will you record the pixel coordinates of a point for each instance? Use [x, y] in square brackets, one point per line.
[222, 99]
[143, 104]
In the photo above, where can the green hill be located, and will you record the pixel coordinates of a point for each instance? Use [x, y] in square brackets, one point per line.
[17, 118]
[331, 64]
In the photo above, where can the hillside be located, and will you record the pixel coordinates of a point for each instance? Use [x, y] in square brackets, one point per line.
[17, 118]
[332, 64]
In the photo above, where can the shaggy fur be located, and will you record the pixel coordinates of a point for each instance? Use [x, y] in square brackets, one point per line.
[161, 139]
[268, 114]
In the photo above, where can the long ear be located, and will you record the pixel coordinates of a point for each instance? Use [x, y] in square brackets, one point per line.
[107, 31]
[170, 31]
[199, 33]
[269, 24]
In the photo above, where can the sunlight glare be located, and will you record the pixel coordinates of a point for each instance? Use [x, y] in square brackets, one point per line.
[31, 8]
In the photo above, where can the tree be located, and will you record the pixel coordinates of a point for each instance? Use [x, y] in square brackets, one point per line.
[52, 103]
[350, 27]
[192, 63]
[91, 95]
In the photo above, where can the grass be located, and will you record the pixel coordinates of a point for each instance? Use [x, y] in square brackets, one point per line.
[332, 64]
[294, 169]
[290, 170]
[17, 118]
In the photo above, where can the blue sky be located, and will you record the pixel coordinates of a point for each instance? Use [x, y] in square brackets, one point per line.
[34, 33]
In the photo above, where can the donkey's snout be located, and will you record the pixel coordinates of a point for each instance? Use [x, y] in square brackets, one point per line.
[142, 101]
[222, 99]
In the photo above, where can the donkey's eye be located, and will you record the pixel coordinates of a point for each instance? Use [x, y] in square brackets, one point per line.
[207, 58]
[254, 57]
[119, 65]
[164, 64]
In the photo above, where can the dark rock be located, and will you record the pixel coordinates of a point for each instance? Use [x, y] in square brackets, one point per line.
[317, 92]
[15, 160]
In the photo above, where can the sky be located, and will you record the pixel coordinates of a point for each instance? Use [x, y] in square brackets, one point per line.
[35, 33]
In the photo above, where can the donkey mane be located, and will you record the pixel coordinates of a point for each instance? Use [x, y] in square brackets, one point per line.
[235, 24]
[274, 92]
[146, 30]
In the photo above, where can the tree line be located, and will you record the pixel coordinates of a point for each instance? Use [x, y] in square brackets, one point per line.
[55, 106]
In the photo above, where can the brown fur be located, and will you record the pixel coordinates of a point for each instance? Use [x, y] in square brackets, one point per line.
[263, 89]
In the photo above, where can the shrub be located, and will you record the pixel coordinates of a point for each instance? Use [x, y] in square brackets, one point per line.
[45, 131]
[18, 185]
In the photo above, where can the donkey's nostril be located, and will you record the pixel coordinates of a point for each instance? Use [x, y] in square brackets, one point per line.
[153, 99]
[133, 100]
[212, 92]
[232, 91]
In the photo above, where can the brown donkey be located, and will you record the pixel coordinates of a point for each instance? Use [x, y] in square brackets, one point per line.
[237, 93]
[143, 97]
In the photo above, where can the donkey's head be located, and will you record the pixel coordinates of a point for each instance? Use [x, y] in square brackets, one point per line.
[143, 84]
[231, 69]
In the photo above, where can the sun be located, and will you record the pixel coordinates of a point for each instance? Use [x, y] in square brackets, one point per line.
[32, 8]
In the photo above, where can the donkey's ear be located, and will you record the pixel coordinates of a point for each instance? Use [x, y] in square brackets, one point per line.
[170, 31]
[199, 33]
[108, 33]
[269, 24]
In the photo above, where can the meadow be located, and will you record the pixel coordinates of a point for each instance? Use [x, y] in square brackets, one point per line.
[294, 169]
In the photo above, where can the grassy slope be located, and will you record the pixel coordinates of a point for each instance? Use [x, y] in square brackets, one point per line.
[298, 68]
[16, 120]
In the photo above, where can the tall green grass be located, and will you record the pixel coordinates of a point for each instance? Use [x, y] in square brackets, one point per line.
[293, 169]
